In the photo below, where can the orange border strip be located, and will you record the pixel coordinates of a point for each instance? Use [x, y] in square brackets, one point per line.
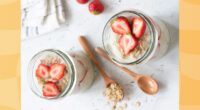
[10, 54]
[190, 55]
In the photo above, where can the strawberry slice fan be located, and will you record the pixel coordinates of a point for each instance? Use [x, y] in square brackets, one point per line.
[54, 73]
[128, 40]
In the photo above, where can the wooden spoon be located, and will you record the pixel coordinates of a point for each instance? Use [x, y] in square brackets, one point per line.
[147, 84]
[86, 47]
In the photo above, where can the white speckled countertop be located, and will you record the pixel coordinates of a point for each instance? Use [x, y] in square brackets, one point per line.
[81, 22]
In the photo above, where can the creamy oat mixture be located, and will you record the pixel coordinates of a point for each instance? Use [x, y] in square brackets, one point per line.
[142, 47]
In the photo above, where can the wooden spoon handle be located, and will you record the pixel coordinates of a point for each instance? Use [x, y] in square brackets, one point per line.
[102, 53]
[86, 47]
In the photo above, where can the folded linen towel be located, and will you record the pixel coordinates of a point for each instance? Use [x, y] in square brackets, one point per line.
[41, 16]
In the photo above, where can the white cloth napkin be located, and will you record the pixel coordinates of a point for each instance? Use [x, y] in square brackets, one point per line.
[42, 16]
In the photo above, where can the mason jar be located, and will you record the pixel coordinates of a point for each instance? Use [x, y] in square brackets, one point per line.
[79, 72]
[152, 45]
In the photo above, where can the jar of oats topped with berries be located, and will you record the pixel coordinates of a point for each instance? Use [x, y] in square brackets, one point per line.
[52, 74]
[132, 38]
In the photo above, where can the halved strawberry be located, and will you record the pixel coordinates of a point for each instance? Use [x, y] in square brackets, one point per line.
[121, 26]
[42, 71]
[57, 71]
[50, 89]
[139, 27]
[127, 43]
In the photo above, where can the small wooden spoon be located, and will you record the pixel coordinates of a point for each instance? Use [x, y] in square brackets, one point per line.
[86, 47]
[147, 84]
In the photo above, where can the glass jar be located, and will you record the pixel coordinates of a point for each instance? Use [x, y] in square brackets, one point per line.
[156, 40]
[79, 76]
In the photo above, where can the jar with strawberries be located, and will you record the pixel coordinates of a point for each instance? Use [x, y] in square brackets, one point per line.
[132, 38]
[53, 74]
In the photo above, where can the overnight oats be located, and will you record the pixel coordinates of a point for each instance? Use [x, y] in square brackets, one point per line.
[53, 73]
[131, 37]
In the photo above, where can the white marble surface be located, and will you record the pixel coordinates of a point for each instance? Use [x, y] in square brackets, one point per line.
[81, 22]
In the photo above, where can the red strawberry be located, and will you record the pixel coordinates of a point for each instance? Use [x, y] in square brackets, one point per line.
[96, 7]
[57, 71]
[42, 71]
[50, 89]
[82, 1]
[127, 43]
[139, 27]
[121, 26]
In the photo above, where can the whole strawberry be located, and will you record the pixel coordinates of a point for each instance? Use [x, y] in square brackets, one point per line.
[82, 1]
[96, 7]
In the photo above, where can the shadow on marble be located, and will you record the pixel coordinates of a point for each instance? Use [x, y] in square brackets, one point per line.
[174, 35]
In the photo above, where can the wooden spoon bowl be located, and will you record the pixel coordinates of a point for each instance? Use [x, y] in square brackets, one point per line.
[147, 85]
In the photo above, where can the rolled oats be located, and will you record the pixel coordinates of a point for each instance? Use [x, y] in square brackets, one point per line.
[114, 92]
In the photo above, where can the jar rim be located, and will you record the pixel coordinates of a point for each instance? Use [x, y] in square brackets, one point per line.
[153, 37]
[66, 58]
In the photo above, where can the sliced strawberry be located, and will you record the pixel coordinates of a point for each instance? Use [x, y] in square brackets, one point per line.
[50, 89]
[121, 26]
[127, 43]
[139, 27]
[42, 71]
[57, 71]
